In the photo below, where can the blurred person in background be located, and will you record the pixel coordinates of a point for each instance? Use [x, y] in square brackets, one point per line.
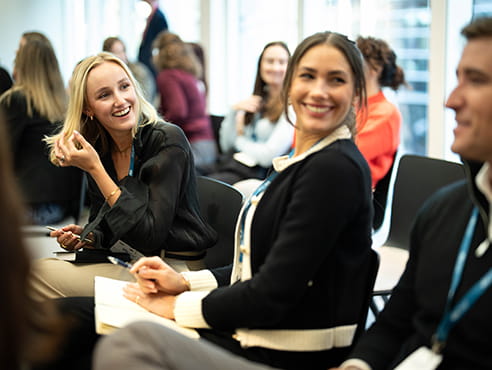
[183, 98]
[34, 107]
[378, 135]
[256, 130]
[379, 124]
[156, 23]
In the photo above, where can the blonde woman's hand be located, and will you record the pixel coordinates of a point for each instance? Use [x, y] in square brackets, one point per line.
[68, 237]
[76, 151]
[154, 275]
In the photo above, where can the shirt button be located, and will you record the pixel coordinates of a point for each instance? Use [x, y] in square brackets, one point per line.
[310, 283]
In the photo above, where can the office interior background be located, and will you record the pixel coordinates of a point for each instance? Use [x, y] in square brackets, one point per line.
[425, 35]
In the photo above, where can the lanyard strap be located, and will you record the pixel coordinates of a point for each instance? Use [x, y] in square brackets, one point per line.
[132, 161]
[260, 189]
[453, 314]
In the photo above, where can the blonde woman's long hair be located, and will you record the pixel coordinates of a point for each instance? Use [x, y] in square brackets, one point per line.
[90, 127]
[39, 79]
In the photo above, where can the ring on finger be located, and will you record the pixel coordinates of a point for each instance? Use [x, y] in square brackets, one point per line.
[137, 298]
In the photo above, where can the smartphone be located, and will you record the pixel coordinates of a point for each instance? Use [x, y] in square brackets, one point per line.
[77, 236]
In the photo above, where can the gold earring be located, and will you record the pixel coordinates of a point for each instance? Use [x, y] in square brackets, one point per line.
[91, 117]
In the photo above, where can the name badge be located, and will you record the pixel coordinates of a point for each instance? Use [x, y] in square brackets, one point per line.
[121, 247]
[422, 359]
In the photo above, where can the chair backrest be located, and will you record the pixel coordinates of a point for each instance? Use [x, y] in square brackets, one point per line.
[381, 194]
[216, 122]
[417, 178]
[220, 204]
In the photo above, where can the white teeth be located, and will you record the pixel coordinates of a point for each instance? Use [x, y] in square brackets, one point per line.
[122, 113]
[317, 109]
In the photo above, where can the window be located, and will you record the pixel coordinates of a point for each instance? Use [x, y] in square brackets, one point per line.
[405, 25]
[482, 8]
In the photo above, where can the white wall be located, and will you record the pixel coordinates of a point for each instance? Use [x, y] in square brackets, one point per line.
[19, 16]
[76, 28]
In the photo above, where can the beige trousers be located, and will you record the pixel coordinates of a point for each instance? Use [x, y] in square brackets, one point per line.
[55, 278]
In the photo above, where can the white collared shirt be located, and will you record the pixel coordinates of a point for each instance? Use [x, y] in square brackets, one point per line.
[483, 184]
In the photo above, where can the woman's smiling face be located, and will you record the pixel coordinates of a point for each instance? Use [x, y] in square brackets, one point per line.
[111, 97]
[322, 90]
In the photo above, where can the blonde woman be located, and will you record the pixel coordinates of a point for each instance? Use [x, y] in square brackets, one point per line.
[140, 175]
[34, 107]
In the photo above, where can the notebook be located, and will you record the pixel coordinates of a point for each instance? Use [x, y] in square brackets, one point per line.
[114, 311]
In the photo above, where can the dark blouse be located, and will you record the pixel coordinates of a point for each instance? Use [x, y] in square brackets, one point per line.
[158, 207]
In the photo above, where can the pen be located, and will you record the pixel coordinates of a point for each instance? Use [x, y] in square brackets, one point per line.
[117, 261]
[77, 236]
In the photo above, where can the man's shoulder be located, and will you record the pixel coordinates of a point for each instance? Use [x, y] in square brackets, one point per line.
[451, 199]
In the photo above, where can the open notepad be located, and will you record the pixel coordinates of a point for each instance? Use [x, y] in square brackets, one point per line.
[114, 311]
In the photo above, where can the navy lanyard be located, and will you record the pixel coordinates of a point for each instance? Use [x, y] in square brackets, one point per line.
[132, 160]
[453, 314]
[260, 189]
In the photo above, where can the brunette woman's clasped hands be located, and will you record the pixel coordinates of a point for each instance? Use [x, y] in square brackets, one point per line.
[156, 287]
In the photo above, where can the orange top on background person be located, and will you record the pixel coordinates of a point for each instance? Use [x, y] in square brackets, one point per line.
[378, 126]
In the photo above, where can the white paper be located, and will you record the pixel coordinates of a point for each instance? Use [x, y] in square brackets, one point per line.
[113, 309]
[422, 359]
